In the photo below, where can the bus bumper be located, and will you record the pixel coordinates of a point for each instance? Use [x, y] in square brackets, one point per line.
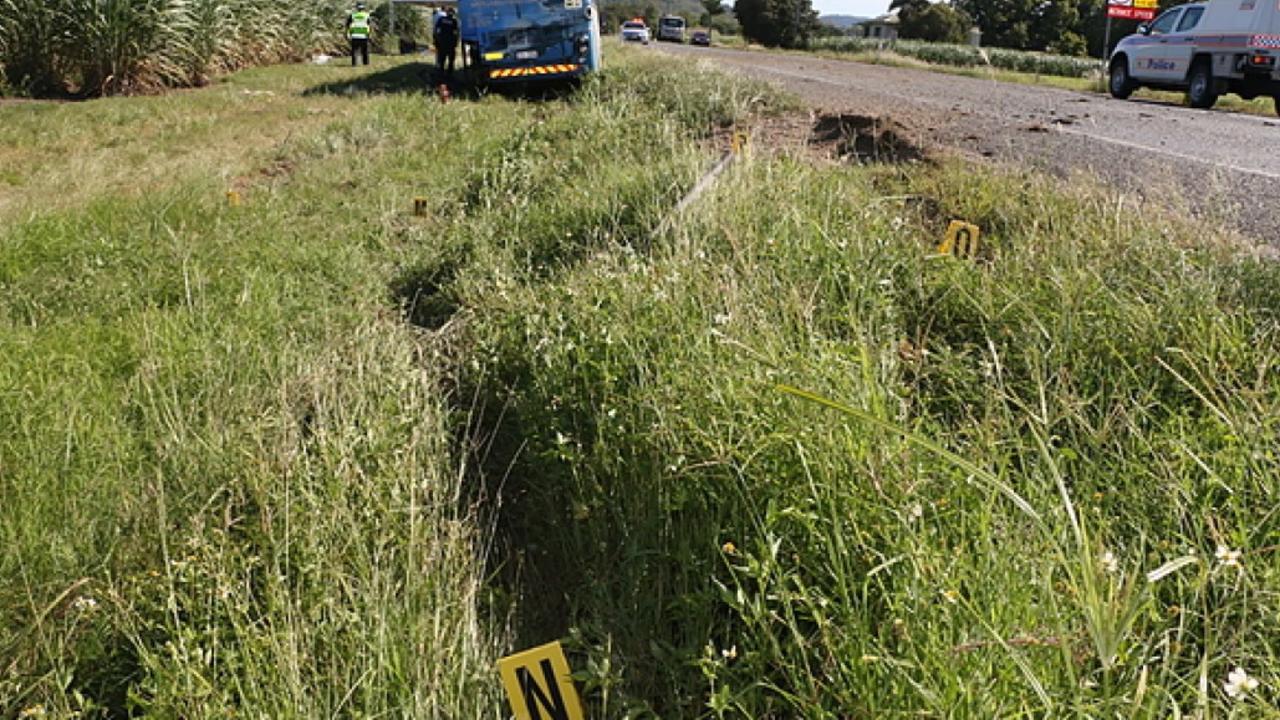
[533, 72]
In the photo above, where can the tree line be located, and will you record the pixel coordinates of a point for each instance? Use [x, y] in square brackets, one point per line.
[1068, 27]
[712, 15]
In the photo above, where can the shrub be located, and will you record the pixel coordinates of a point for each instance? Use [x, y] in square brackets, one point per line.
[967, 56]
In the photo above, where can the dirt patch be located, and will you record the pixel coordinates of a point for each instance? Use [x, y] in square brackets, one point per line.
[839, 137]
[278, 169]
[865, 139]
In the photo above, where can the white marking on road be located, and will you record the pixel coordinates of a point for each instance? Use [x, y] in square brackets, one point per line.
[1072, 131]
[1171, 153]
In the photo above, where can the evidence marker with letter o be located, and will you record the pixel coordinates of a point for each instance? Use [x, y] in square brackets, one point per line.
[539, 684]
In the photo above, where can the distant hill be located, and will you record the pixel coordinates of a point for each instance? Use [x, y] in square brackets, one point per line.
[843, 22]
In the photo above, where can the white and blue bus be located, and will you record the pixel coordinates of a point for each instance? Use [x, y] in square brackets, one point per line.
[523, 40]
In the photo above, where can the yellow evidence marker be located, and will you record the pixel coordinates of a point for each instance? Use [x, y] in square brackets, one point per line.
[420, 206]
[738, 142]
[961, 240]
[233, 198]
[539, 684]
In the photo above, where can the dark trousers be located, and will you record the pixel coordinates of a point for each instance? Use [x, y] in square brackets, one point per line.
[445, 52]
[359, 46]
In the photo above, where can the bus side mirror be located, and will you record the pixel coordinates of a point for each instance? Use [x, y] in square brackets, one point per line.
[1144, 29]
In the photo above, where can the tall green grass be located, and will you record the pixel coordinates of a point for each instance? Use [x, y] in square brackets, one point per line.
[227, 477]
[103, 47]
[315, 456]
[999, 487]
[233, 479]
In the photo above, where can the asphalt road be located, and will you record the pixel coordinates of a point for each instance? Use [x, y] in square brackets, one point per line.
[1210, 162]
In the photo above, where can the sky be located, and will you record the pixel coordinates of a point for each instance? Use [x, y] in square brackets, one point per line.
[865, 8]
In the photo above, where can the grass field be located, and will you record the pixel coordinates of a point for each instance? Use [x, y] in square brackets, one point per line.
[313, 455]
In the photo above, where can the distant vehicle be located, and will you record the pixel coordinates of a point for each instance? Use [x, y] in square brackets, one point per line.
[1206, 48]
[701, 37]
[506, 41]
[635, 31]
[671, 27]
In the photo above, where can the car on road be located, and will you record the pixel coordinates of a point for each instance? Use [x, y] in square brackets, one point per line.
[700, 37]
[1205, 48]
[635, 31]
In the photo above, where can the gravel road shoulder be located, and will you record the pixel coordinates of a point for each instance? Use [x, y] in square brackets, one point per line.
[1223, 165]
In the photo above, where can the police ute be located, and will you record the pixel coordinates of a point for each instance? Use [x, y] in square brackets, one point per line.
[1205, 48]
[634, 30]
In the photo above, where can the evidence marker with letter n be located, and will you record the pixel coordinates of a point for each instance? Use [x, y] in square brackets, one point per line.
[539, 684]
[961, 240]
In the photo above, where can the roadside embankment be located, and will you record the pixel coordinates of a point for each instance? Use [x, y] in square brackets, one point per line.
[313, 454]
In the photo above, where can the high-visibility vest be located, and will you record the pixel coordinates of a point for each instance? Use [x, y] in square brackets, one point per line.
[359, 27]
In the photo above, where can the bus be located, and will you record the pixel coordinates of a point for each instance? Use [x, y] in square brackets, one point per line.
[521, 40]
[671, 27]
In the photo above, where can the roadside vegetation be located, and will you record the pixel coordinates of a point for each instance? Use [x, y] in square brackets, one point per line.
[312, 455]
[107, 47]
[966, 56]
[226, 483]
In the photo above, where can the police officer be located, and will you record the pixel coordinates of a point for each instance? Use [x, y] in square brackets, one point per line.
[359, 25]
[445, 39]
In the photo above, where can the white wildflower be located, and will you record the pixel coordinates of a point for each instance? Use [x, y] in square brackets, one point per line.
[1239, 683]
[1109, 562]
[84, 603]
[722, 318]
[1228, 557]
[916, 511]
[730, 653]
